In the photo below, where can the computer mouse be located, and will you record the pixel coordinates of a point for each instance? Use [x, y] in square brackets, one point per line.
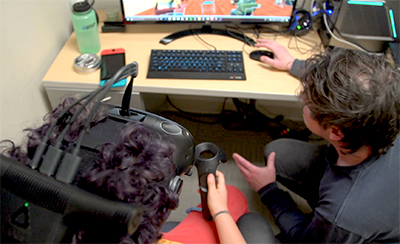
[256, 55]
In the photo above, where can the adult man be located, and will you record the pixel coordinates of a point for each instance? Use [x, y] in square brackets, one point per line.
[352, 100]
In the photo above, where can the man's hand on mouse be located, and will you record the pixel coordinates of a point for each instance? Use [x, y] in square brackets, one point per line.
[282, 60]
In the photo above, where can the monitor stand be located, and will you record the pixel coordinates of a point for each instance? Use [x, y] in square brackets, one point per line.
[207, 29]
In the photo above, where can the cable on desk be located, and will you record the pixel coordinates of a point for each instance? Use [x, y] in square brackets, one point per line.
[198, 36]
[314, 46]
[255, 34]
[246, 39]
[270, 30]
[257, 31]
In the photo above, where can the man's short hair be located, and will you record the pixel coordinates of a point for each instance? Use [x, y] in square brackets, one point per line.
[358, 93]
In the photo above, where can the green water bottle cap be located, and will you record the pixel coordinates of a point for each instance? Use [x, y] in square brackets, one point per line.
[82, 6]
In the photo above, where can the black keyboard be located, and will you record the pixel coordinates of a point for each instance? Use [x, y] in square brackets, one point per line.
[196, 64]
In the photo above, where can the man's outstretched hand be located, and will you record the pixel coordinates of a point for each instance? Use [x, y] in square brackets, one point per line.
[257, 177]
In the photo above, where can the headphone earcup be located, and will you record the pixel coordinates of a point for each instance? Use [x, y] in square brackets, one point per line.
[301, 23]
[175, 184]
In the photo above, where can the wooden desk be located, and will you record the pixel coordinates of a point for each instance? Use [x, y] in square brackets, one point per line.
[262, 82]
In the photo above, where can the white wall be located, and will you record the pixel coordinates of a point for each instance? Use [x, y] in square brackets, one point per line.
[104, 4]
[32, 34]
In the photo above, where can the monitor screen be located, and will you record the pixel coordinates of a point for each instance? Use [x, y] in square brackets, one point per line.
[208, 11]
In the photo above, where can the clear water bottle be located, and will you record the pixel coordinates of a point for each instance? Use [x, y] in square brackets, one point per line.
[84, 20]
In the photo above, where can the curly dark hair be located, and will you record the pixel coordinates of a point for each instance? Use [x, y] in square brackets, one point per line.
[136, 170]
[356, 92]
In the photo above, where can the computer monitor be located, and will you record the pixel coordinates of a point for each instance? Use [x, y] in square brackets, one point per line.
[208, 12]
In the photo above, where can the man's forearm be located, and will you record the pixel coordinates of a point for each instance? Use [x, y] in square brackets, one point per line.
[288, 217]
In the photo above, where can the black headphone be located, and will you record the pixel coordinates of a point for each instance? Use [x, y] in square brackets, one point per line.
[301, 24]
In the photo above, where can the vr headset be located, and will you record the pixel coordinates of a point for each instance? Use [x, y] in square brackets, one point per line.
[39, 203]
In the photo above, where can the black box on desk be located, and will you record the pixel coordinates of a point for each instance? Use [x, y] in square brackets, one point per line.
[370, 25]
